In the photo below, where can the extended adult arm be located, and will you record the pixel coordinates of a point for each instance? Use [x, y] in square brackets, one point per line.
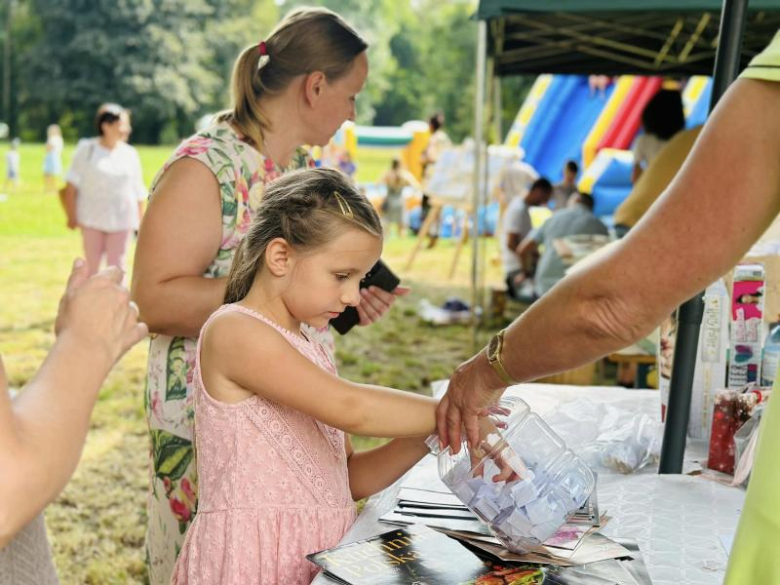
[725, 196]
[42, 431]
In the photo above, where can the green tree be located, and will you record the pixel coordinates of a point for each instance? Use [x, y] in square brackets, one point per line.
[234, 25]
[149, 55]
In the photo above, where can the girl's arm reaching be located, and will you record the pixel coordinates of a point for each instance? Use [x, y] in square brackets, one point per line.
[372, 471]
[241, 352]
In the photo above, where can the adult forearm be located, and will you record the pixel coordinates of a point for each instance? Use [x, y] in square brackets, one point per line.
[372, 471]
[50, 423]
[696, 231]
[180, 306]
[575, 323]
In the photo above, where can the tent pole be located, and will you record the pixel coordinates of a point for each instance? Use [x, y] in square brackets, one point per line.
[479, 122]
[727, 57]
[497, 113]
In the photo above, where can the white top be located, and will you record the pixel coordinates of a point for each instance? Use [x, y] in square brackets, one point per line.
[516, 179]
[26, 560]
[56, 143]
[517, 220]
[110, 185]
[646, 147]
[12, 162]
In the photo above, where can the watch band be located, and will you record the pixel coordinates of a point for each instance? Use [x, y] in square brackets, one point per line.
[502, 373]
[498, 364]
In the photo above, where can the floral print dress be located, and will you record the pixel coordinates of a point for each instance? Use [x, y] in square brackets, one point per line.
[242, 173]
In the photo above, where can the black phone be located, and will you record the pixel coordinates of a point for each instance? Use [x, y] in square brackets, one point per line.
[380, 275]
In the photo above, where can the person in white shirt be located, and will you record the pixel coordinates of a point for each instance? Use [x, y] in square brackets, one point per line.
[515, 180]
[106, 180]
[517, 227]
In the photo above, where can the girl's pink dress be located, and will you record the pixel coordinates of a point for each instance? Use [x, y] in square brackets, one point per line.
[274, 486]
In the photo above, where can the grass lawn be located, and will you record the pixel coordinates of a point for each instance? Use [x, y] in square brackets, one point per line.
[97, 524]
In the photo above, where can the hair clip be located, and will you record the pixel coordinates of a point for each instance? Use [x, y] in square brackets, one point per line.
[264, 58]
[346, 210]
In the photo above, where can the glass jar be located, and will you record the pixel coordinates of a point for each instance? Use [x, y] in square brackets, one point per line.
[521, 480]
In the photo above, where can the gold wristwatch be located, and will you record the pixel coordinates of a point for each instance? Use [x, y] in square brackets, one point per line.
[493, 351]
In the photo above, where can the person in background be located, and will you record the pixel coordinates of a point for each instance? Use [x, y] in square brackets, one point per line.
[347, 165]
[395, 180]
[437, 142]
[43, 428]
[13, 166]
[297, 86]
[576, 219]
[106, 181]
[563, 191]
[662, 118]
[516, 228]
[654, 180]
[598, 84]
[694, 233]
[52, 161]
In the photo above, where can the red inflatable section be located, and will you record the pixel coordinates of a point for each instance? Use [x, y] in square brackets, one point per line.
[628, 118]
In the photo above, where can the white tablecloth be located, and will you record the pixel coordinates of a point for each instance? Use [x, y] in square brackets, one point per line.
[677, 520]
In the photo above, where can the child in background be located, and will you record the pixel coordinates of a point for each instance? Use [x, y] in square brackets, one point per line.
[395, 179]
[347, 165]
[12, 166]
[277, 472]
[52, 162]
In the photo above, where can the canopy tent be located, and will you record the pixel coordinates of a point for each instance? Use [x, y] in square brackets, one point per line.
[615, 37]
[610, 37]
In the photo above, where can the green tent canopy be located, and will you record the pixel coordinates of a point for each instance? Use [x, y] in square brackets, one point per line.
[614, 37]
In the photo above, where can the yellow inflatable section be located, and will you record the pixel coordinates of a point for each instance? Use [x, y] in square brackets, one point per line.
[692, 92]
[605, 119]
[600, 163]
[527, 110]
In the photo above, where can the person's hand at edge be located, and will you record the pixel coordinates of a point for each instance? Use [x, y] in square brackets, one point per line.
[374, 302]
[98, 313]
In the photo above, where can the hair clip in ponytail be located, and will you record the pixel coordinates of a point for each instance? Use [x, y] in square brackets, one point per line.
[346, 210]
[263, 52]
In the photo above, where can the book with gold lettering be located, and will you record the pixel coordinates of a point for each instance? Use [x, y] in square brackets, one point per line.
[416, 555]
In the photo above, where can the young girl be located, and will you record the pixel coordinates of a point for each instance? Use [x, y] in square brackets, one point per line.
[277, 473]
[52, 162]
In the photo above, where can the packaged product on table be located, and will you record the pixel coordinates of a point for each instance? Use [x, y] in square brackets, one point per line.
[731, 410]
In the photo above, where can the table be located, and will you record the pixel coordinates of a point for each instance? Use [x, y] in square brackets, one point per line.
[677, 520]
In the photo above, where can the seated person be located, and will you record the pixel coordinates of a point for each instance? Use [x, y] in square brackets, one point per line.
[563, 191]
[654, 180]
[516, 227]
[576, 219]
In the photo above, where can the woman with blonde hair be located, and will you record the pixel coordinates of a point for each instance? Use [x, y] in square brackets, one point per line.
[295, 87]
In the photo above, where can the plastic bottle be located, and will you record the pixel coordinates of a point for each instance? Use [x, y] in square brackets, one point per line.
[771, 356]
[546, 482]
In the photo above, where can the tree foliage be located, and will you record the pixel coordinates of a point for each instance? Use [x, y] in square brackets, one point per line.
[170, 61]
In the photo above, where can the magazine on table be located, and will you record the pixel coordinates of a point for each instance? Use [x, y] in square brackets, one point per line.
[414, 555]
[417, 555]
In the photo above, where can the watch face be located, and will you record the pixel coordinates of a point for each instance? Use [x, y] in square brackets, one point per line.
[493, 348]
